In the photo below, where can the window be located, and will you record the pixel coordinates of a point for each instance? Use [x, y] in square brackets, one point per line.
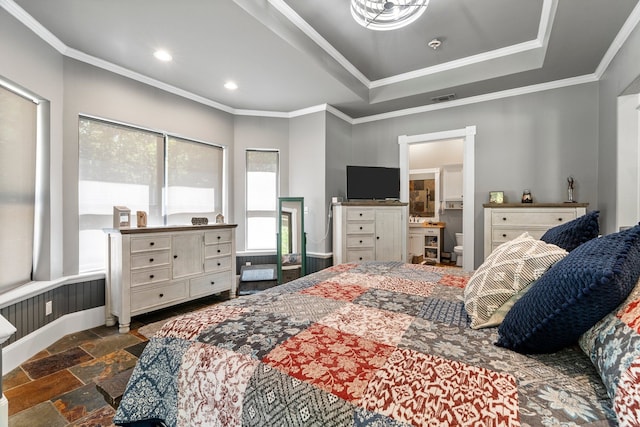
[18, 125]
[262, 196]
[172, 179]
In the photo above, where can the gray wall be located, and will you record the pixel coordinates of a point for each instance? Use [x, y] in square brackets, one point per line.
[622, 71]
[256, 132]
[529, 141]
[339, 153]
[307, 141]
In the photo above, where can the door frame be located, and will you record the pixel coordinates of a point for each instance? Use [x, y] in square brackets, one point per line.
[467, 134]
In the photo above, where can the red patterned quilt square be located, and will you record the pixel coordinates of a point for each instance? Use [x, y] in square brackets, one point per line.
[455, 281]
[422, 389]
[368, 322]
[630, 315]
[334, 361]
[191, 325]
[335, 291]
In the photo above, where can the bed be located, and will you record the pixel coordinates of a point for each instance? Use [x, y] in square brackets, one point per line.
[367, 344]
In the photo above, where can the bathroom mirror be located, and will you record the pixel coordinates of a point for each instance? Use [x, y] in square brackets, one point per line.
[291, 239]
[424, 194]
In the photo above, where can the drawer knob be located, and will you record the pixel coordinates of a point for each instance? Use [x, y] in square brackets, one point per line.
[219, 237]
[151, 276]
[360, 241]
[504, 218]
[360, 258]
[175, 257]
[360, 228]
[218, 264]
[151, 243]
[161, 295]
[150, 259]
[559, 219]
[504, 235]
[361, 214]
[213, 283]
[218, 250]
[377, 237]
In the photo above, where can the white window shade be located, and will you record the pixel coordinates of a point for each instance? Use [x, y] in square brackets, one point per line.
[194, 181]
[18, 125]
[262, 195]
[118, 166]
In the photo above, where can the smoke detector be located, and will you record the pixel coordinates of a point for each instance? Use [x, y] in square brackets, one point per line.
[434, 44]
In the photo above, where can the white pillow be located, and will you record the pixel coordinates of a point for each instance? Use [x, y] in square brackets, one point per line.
[505, 276]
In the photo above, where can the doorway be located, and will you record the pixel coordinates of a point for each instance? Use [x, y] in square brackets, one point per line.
[467, 134]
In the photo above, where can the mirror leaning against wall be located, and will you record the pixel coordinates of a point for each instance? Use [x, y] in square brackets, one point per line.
[291, 239]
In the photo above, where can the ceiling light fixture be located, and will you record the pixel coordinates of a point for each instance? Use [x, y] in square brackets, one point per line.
[231, 85]
[382, 15]
[163, 55]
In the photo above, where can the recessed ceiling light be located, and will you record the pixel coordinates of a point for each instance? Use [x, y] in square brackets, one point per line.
[231, 85]
[162, 55]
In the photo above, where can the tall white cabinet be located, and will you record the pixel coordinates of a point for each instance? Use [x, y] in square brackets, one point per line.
[156, 267]
[369, 230]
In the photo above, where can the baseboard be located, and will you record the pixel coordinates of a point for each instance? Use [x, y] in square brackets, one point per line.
[19, 351]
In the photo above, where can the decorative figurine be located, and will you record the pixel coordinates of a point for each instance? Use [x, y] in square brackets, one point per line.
[219, 219]
[571, 183]
[141, 218]
[526, 196]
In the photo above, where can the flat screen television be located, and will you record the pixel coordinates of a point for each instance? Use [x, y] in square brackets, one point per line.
[373, 183]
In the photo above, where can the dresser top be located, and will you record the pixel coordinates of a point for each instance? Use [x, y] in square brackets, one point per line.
[169, 228]
[535, 205]
[372, 203]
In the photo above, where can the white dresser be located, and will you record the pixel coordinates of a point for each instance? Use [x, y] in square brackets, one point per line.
[504, 222]
[156, 267]
[368, 231]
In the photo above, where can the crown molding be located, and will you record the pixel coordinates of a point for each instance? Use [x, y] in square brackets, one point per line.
[480, 98]
[308, 30]
[545, 25]
[630, 24]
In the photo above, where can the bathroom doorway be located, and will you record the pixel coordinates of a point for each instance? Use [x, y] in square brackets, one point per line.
[467, 136]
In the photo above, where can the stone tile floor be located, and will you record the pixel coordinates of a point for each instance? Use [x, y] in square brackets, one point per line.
[76, 380]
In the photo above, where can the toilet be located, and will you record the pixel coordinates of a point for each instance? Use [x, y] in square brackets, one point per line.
[458, 249]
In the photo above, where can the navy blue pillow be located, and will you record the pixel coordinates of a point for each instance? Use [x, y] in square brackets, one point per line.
[574, 294]
[572, 234]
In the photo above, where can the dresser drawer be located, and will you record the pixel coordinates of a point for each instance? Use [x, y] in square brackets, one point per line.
[360, 255]
[359, 241]
[505, 234]
[150, 259]
[151, 275]
[360, 227]
[150, 243]
[217, 236]
[214, 264]
[217, 250]
[151, 296]
[361, 214]
[545, 218]
[210, 284]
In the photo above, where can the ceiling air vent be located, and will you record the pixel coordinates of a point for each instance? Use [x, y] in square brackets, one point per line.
[443, 98]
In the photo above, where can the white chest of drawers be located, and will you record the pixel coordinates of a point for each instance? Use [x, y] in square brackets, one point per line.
[504, 222]
[368, 231]
[156, 267]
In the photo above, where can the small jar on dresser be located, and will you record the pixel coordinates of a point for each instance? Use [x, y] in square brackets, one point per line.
[156, 267]
[506, 221]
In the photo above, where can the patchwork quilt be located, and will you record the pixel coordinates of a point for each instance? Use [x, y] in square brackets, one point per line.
[368, 344]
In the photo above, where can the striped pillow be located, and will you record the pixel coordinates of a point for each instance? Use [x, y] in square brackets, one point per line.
[505, 276]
